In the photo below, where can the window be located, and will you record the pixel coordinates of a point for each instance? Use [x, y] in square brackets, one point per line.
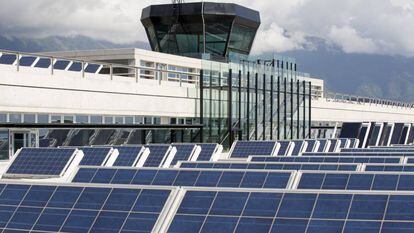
[56, 119]
[3, 117]
[29, 118]
[139, 120]
[108, 120]
[129, 120]
[96, 119]
[68, 119]
[44, 119]
[15, 118]
[82, 119]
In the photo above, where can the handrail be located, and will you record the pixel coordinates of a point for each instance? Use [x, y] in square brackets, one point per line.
[111, 66]
[339, 97]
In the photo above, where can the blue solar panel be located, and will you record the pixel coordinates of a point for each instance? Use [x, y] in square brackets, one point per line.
[96, 156]
[207, 151]
[8, 59]
[58, 208]
[43, 63]
[41, 161]
[128, 155]
[378, 150]
[92, 68]
[373, 154]
[27, 60]
[333, 145]
[328, 159]
[357, 181]
[293, 212]
[180, 177]
[243, 149]
[311, 145]
[283, 148]
[322, 145]
[272, 166]
[76, 66]
[156, 156]
[390, 168]
[344, 143]
[61, 64]
[184, 152]
[297, 150]
[353, 143]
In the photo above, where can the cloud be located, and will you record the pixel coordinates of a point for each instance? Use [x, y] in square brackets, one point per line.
[356, 26]
[350, 42]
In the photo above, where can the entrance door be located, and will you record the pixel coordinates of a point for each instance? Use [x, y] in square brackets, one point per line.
[22, 138]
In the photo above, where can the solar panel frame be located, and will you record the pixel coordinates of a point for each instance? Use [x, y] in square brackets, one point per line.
[313, 145]
[63, 169]
[284, 148]
[299, 147]
[324, 144]
[244, 155]
[79, 197]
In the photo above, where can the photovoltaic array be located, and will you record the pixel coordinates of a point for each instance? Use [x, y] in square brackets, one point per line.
[244, 149]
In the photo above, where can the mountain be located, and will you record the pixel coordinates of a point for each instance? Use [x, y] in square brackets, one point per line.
[381, 76]
[59, 43]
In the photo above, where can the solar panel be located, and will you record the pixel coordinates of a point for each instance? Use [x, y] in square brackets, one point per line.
[43, 63]
[334, 145]
[8, 59]
[357, 181]
[300, 146]
[243, 149]
[93, 68]
[40, 161]
[312, 145]
[185, 177]
[96, 156]
[27, 60]
[61, 64]
[75, 208]
[344, 143]
[323, 144]
[361, 154]
[378, 150]
[389, 167]
[353, 143]
[157, 155]
[328, 159]
[284, 147]
[76, 66]
[273, 166]
[185, 152]
[128, 155]
[208, 150]
[291, 212]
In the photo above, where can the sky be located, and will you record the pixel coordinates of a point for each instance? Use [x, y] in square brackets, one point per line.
[355, 26]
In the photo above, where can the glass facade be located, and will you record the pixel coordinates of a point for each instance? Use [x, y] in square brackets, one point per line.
[254, 100]
[194, 29]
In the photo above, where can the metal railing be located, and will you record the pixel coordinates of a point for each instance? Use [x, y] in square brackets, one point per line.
[346, 98]
[110, 69]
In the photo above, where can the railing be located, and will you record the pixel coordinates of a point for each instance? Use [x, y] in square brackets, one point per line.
[346, 98]
[82, 66]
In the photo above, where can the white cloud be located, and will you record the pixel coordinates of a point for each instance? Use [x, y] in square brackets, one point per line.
[361, 26]
[350, 41]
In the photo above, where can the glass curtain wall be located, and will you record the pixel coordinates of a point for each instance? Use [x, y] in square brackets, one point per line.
[254, 100]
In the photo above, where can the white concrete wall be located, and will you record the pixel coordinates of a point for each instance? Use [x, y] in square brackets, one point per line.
[36, 90]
